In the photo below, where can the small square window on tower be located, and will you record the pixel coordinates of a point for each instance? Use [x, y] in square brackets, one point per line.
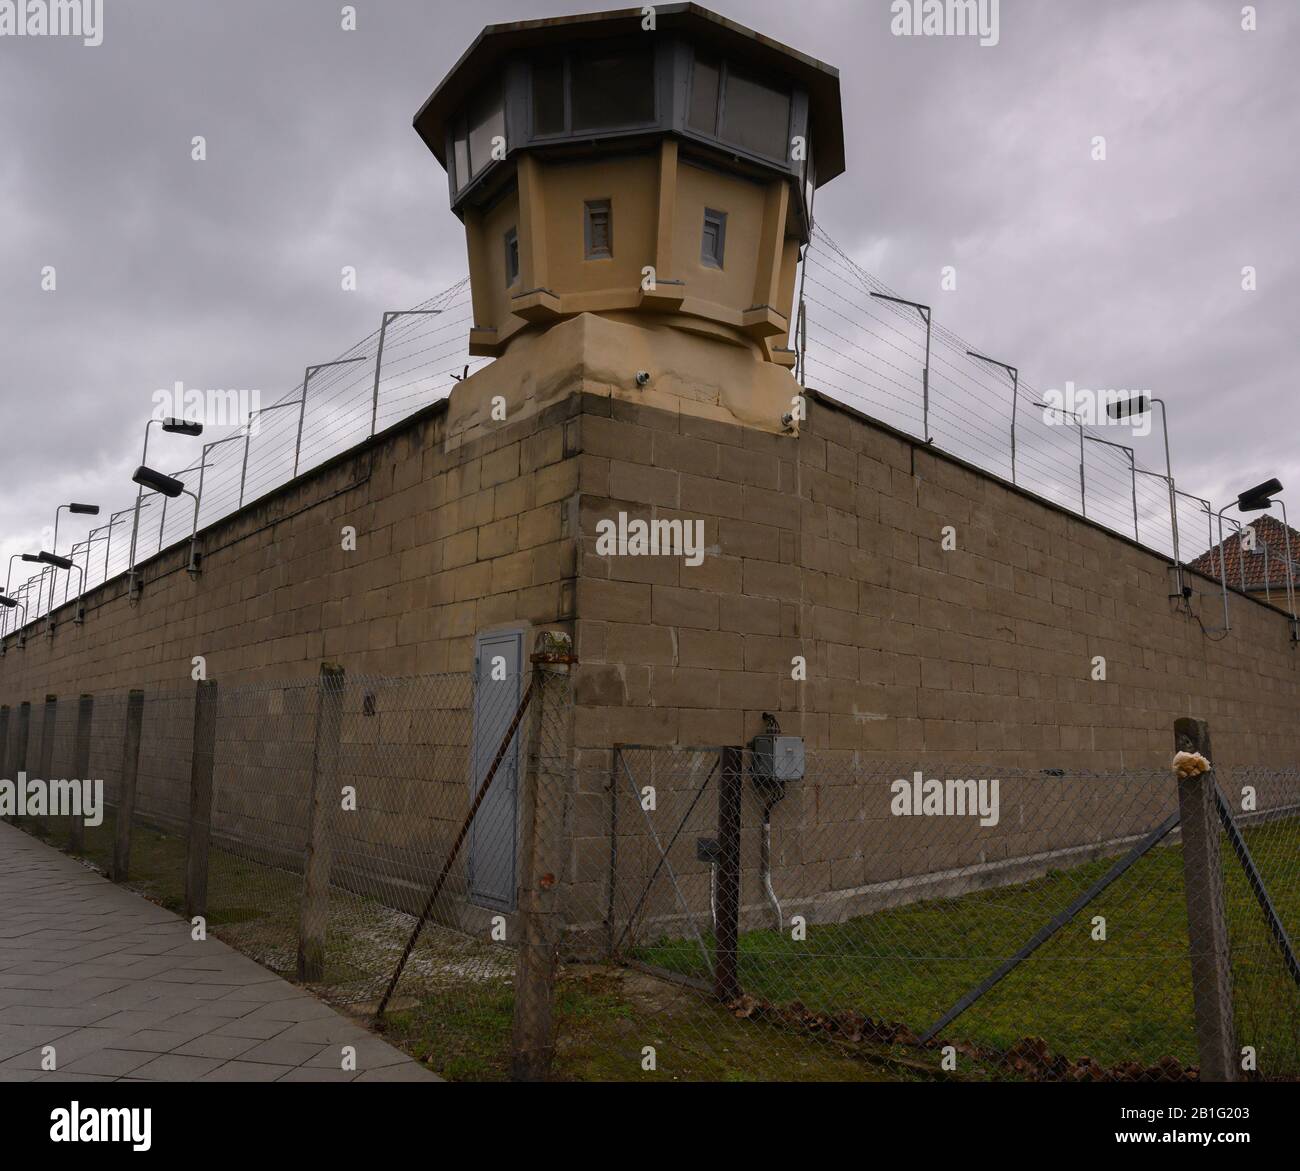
[714, 241]
[512, 257]
[598, 233]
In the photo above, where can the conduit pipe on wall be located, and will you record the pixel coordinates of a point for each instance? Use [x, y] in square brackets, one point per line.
[765, 864]
[769, 779]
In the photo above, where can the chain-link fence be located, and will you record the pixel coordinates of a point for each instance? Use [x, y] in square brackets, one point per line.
[1265, 805]
[358, 785]
[427, 844]
[935, 921]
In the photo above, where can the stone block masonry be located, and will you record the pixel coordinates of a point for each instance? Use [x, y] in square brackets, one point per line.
[828, 546]
[825, 546]
[822, 549]
[448, 543]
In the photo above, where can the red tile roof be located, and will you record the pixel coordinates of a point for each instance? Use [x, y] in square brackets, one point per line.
[1270, 532]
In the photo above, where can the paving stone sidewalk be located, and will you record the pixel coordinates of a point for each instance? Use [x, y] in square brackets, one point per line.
[120, 990]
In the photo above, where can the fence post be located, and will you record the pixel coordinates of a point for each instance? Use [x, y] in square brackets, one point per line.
[20, 742]
[542, 797]
[45, 756]
[4, 739]
[612, 893]
[1207, 927]
[45, 761]
[201, 764]
[726, 983]
[126, 796]
[313, 920]
[81, 768]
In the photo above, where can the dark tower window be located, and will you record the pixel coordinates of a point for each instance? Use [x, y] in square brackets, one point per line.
[462, 161]
[512, 256]
[598, 232]
[610, 90]
[548, 97]
[572, 92]
[484, 119]
[703, 112]
[487, 120]
[714, 241]
[756, 117]
[729, 105]
[594, 91]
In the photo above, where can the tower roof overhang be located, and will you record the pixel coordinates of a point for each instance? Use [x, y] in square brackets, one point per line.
[499, 42]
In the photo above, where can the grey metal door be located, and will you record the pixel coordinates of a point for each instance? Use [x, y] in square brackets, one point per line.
[498, 686]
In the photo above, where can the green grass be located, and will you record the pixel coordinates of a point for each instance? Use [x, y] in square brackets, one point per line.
[459, 1024]
[1125, 999]
[605, 1019]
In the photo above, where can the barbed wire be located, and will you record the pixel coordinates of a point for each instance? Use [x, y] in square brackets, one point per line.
[862, 350]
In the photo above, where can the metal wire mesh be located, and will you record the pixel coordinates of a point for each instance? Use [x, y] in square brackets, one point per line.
[400, 794]
[1266, 995]
[166, 744]
[881, 916]
[424, 352]
[50, 726]
[861, 350]
[936, 921]
[107, 731]
[869, 353]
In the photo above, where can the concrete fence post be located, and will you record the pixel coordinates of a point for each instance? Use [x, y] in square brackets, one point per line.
[49, 719]
[126, 795]
[81, 768]
[323, 799]
[726, 980]
[1207, 927]
[45, 755]
[543, 793]
[20, 741]
[200, 822]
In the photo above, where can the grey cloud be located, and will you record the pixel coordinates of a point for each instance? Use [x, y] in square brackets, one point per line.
[226, 273]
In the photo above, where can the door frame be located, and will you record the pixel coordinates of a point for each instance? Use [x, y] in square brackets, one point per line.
[475, 897]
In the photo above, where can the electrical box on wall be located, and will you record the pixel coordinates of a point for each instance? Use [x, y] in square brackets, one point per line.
[777, 759]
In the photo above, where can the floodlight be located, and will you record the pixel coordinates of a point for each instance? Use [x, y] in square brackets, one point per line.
[164, 485]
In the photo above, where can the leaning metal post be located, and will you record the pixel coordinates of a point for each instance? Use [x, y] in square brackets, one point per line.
[390, 316]
[135, 523]
[440, 881]
[924, 312]
[1044, 933]
[307, 376]
[248, 436]
[1273, 920]
[663, 852]
[1290, 574]
[203, 459]
[1173, 497]
[1015, 395]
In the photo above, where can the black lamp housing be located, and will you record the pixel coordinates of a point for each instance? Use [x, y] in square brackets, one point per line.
[1256, 499]
[164, 485]
[1139, 404]
[182, 427]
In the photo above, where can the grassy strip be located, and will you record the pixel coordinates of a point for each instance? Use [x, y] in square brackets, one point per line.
[1124, 998]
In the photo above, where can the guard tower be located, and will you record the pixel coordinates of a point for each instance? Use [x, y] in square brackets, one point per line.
[644, 182]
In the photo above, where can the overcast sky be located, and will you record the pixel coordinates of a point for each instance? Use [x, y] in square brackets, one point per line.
[226, 273]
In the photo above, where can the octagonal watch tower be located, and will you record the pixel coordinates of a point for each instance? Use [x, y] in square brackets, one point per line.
[635, 189]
